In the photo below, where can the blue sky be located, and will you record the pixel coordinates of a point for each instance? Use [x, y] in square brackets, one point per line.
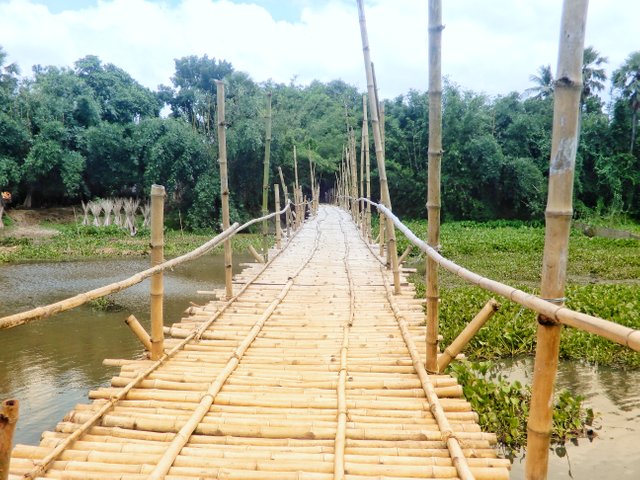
[490, 46]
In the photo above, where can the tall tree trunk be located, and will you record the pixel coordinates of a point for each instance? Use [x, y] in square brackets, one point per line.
[28, 198]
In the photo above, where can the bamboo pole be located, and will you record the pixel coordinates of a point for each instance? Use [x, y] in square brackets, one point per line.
[139, 331]
[157, 283]
[558, 215]
[254, 253]
[224, 187]
[377, 137]
[367, 161]
[265, 179]
[467, 334]
[295, 169]
[433, 187]
[405, 254]
[362, 215]
[8, 419]
[276, 192]
[354, 176]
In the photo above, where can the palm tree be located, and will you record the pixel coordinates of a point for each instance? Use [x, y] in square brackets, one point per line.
[626, 80]
[593, 73]
[543, 83]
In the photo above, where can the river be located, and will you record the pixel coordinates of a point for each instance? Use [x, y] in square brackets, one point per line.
[50, 365]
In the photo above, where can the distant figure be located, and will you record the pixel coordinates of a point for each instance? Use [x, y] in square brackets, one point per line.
[4, 201]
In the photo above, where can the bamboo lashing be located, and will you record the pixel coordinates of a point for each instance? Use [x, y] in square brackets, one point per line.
[43, 465]
[467, 334]
[378, 140]
[157, 282]
[14, 320]
[183, 436]
[566, 113]
[433, 188]
[558, 313]
[9, 413]
[224, 187]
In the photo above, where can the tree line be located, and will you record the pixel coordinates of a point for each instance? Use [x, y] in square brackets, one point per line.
[91, 130]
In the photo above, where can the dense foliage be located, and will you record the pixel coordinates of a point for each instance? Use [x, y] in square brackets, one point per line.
[91, 130]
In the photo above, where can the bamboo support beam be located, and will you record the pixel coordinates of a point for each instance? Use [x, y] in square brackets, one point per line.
[224, 187]
[567, 91]
[276, 192]
[139, 331]
[265, 178]
[433, 188]
[157, 283]
[367, 161]
[467, 334]
[254, 253]
[8, 419]
[405, 254]
[378, 140]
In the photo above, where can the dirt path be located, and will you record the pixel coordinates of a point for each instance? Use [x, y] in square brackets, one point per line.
[28, 223]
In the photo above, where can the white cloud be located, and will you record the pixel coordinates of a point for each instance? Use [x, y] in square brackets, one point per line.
[487, 46]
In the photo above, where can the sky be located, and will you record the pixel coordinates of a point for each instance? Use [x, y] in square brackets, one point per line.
[489, 46]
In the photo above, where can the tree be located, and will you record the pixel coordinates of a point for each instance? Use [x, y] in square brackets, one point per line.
[8, 80]
[593, 74]
[626, 81]
[543, 87]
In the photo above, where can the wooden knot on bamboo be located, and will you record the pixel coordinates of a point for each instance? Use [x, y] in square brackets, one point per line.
[566, 82]
[436, 29]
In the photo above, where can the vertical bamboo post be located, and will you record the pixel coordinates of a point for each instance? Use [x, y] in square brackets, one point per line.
[295, 168]
[285, 190]
[433, 187]
[265, 180]
[354, 176]
[568, 87]
[8, 419]
[367, 161]
[361, 216]
[377, 137]
[276, 193]
[224, 188]
[157, 282]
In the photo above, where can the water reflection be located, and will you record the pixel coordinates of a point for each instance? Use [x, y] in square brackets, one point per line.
[614, 395]
[51, 365]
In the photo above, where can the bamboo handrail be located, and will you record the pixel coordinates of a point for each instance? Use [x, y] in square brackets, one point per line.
[605, 328]
[17, 319]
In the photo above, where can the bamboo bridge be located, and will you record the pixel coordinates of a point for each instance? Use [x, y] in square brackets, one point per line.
[311, 371]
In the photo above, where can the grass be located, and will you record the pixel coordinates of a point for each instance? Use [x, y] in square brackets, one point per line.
[603, 280]
[76, 242]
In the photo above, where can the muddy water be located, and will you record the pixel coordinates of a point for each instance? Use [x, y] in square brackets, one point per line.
[50, 365]
[615, 396]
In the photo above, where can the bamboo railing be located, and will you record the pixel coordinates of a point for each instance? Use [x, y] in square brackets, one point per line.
[558, 313]
[14, 320]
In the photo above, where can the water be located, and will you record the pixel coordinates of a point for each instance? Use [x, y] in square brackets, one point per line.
[50, 365]
[614, 395]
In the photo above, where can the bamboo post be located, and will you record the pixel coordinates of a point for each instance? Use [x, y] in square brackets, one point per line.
[558, 215]
[224, 188]
[139, 331]
[295, 169]
[405, 254]
[362, 215]
[433, 187]
[467, 334]
[8, 419]
[377, 137]
[265, 179]
[157, 283]
[367, 161]
[276, 192]
[354, 176]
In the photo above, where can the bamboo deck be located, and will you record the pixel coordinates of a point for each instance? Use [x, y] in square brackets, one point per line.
[307, 374]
